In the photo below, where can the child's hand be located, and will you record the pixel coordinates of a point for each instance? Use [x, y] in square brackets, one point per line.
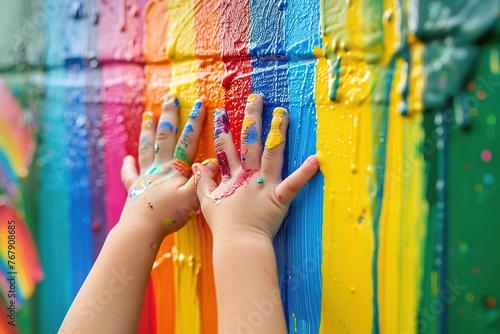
[161, 197]
[251, 199]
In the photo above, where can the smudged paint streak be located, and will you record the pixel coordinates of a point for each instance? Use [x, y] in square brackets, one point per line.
[221, 126]
[249, 131]
[165, 125]
[221, 122]
[243, 178]
[223, 163]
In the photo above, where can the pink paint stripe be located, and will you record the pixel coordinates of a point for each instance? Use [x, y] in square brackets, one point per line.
[122, 99]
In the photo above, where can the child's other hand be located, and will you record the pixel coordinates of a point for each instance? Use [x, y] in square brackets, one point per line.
[251, 199]
[160, 196]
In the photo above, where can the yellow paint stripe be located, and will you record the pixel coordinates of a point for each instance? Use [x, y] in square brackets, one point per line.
[184, 84]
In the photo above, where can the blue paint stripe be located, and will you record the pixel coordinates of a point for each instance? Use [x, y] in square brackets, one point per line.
[78, 174]
[97, 173]
[267, 35]
[305, 219]
[270, 79]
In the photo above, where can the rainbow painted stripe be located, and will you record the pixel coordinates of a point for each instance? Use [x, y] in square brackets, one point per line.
[353, 254]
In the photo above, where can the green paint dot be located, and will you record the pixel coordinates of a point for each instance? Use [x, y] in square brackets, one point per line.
[152, 170]
[463, 247]
[157, 148]
[259, 180]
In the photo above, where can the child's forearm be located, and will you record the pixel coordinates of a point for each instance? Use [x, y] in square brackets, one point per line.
[248, 295]
[115, 287]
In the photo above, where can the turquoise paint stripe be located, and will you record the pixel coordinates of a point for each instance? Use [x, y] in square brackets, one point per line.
[57, 17]
[305, 219]
[53, 236]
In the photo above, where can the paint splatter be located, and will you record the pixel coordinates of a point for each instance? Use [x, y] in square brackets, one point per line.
[197, 176]
[136, 192]
[251, 98]
[169, 222]
[149, 205]
[249, 131]
[181, 154]
[144, 146]
[185, 134]
[183, 167]
[243, 178]
[221, 122]
[223, 163]
[147, 120]
[164, 126]
[275, 137]
[196, 110]
[153, 245]
[153, 169]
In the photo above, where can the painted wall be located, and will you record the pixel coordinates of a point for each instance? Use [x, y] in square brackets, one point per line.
[399, 97]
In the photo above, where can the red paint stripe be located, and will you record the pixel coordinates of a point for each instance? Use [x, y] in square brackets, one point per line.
[235, 22]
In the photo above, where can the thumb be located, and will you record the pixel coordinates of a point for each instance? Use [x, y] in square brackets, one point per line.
[204, 178]
[291, 186]
[129, 171]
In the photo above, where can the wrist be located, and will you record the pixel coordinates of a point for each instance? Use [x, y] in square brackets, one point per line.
[234, 234]
[141, 229]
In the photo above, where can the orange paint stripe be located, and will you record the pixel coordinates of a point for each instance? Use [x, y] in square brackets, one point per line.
[157, 72]
[210, 73]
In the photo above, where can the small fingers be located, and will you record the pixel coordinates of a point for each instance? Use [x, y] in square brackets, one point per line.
[167, 127]
[290, 187]
[251, 142]
[129, 171]
[272, 159]
[227, 155]
[203, 179]
[146, 138]
[187, 146]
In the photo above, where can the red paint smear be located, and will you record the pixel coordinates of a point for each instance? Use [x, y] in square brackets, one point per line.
[235, 22]
[242, 178]
[223, 164]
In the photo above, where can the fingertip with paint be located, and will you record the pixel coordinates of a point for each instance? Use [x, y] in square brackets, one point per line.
[196, 109]
[251, 98]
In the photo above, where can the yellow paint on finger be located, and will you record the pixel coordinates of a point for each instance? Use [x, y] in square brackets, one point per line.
[247, 122]
[147, 120]
[275, 137]
[251, 98]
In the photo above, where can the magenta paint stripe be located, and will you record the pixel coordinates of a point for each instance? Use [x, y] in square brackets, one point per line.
[122, 92]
